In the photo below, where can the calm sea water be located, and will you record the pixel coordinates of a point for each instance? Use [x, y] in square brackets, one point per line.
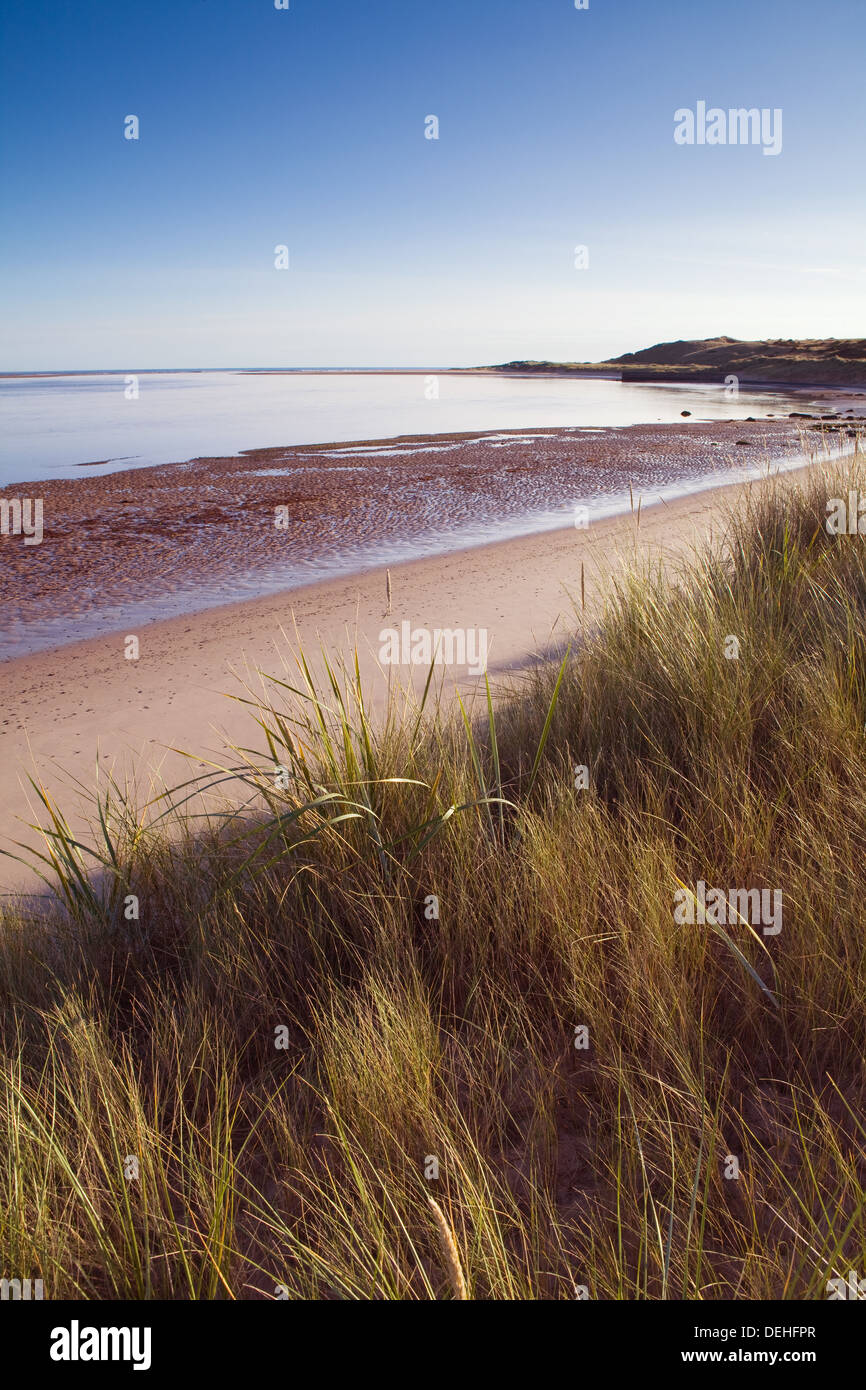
[70, 427]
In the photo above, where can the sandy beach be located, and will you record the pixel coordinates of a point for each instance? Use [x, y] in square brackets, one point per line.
[64, 707]
[124, 548]
[432, 651]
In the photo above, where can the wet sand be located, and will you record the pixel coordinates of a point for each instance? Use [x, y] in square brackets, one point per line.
[62, 707]
[126, 548]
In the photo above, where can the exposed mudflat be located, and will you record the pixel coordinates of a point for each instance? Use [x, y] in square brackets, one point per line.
[176, 538]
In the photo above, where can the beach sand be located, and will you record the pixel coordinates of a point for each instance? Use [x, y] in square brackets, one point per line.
[63, 707]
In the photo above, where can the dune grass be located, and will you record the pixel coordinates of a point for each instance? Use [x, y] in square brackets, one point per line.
[338, 1052]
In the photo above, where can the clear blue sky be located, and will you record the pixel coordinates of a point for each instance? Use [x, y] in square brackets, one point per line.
[305, 127]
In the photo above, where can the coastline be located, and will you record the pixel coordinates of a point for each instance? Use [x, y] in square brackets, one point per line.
[84, 699]
[131, 547]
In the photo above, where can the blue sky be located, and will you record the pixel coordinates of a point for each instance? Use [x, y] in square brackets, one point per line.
[261, 127]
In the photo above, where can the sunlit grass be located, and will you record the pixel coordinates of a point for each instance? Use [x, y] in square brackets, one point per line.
[288, 1040]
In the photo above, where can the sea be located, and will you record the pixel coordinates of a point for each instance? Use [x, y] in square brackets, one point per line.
[69, 426]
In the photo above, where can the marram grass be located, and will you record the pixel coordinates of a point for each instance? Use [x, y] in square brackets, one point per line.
[289, 1077]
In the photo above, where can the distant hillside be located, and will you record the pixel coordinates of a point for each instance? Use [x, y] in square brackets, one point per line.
[825, 361]
[528, 364]
[798, 361]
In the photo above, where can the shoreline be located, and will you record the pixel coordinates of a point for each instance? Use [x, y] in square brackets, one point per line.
[66, 706]
[137, 546]
[607, 374]
[601, 371]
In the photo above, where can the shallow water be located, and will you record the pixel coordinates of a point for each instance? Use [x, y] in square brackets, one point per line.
[51, 426]
[227, 556]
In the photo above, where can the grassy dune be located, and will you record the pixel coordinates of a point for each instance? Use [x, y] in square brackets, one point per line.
[307, 920]
[831, 362]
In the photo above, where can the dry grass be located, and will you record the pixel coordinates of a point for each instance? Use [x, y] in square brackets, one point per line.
[411, 1041]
